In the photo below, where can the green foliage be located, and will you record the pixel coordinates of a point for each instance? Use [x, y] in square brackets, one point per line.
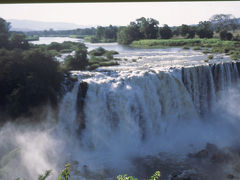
[224, 22]
[204, 29]
[32, 38]
[186, 31]
[210, 56]
[100, 54]
[104, 35]
[79, 61]
[97, 52]
[111, 63]
[76, 33]
[93, 66]
[165, 32]
[224, 35]
[65, 174]
[27, 79]
[44, 177]
[235, 55]
[147, 27]
[18, 40]
[4, 33]
[155, 176]
[159, 43]
[66, 46]
[91, 39]
[141, 29]
[186, 47]
[128, 34]
[125, 177]
[197, 48]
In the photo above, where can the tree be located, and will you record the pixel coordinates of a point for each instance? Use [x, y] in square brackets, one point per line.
[128, 34]
[28, 79]
[100, 32]
[176, 31]
[4, 33]
[148, 27]
[142, 28]
[191, 32]
[224, 35]
[204, 29]
[224, 22]
[79, 61]
[184, 29]
[187, 31]
[18, 40]
[165, 32]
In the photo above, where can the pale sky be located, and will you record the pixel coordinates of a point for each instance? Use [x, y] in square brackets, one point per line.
[171, 13]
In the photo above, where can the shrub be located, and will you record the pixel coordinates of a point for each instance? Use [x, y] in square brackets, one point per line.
[97, 52]
[224, 35]
[28, 79]
[210, 56]
[186, 47]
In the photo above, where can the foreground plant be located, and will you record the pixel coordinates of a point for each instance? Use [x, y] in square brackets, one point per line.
[44, 177]
[155, 176]
[65, 174]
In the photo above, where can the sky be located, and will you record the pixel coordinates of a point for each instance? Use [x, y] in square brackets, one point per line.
[171, 13]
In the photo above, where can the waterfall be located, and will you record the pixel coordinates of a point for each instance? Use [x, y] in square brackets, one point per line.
[121, 114]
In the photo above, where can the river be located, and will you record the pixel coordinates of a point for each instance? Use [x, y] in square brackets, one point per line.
[144, 58]
[144, 115]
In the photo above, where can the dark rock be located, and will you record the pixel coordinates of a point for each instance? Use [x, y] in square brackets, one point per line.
[82, 92]
[220, 157]
[230, 176]
[190, 174]
[211, 148]
[202, 154]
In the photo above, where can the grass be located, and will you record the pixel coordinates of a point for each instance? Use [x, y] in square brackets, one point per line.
[213, 45]
[32, 38]
[186, 47]
[101, 57]
[93, 39]
[163, 43]
[77, 36]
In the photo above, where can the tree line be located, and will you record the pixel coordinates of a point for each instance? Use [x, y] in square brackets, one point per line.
[147, 28]
[51, 32]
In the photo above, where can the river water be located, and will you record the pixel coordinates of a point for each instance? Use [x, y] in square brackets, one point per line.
[143, 58]
[158, 103]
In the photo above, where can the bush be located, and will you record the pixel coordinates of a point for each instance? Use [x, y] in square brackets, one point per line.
[79, 61]
[210, 56]
[186, 47]
[165, 32]
[97, 52]
[224, 35]
[28, 79]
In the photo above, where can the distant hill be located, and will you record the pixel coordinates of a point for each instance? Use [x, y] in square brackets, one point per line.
[29, 25]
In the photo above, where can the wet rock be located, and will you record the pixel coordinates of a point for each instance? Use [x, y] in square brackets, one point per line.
[82, 92]
[199, 155]
[230, 176]
[190, 174]
[211, 148]
[220, 157]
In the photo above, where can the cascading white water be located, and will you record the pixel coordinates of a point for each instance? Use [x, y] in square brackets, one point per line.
[140, 112]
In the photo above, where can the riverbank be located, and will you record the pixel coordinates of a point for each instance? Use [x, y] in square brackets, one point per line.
[213, 45]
